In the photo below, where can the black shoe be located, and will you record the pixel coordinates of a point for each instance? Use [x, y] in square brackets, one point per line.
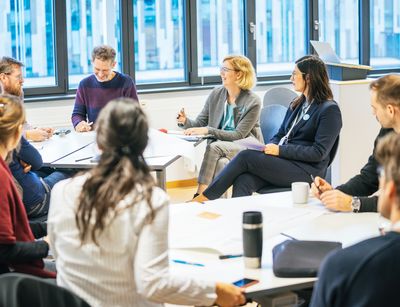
[195, 195]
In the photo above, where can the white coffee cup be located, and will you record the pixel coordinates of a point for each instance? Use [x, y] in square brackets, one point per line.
[300, 191]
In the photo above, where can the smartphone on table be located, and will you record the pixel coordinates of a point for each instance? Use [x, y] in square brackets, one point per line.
[245, 282]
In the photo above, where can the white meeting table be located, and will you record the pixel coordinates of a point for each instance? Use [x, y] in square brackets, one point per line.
[66, 151]
[198, 233]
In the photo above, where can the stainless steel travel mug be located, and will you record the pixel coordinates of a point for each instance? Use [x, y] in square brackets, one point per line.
[252, 239]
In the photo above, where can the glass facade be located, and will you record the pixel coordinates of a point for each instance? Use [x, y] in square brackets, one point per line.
[220, 32]
[339, 27]
[90, 23]
[159, 41]
[281, 35]
[27, 34]
[385, 33]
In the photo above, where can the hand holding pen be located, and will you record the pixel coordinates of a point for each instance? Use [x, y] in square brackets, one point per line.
[181, 117]
[319, 186]
[84, 126]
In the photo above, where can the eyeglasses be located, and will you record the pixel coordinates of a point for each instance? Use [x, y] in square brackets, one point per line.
[295, 73]
[226, 69]
[18, 77]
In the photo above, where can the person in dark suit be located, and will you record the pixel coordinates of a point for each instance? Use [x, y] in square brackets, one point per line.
[354, 195]
[349, 277]
[302, 145]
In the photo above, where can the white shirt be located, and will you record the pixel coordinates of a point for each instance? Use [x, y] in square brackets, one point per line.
[130, 268]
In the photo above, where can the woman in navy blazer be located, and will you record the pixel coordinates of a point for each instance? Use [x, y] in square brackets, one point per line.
[302, 145]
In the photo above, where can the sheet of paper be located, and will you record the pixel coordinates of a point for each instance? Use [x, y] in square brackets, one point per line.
[219, 227]
[251, 143]
[162, 145]
[345, 226]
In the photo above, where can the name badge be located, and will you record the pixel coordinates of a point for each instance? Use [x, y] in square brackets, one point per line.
[306, 117]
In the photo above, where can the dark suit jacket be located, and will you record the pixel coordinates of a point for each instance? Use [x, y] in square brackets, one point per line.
[366, 182]
[311, 141]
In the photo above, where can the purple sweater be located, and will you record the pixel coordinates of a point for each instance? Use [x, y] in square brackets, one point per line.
[93, 95]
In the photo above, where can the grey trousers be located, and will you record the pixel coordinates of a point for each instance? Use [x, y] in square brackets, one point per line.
[216, 151]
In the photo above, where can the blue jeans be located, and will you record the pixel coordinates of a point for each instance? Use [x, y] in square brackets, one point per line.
[49, 178]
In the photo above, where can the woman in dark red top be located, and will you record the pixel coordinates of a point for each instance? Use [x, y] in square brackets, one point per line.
[19, 251]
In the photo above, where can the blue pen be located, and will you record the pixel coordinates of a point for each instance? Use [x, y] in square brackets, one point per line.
[229, 256]
[186, 262]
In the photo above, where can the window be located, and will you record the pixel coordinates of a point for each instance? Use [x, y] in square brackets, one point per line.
[220, 32]
[177, 43]
[281, 35]
[89, 24]
[339, 27]
[28, 36]
[385, 33]
[159, 41]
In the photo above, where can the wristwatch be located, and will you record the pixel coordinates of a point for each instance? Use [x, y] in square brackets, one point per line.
[355, 204]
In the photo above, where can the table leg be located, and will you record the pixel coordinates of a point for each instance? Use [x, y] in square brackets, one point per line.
[161, 179]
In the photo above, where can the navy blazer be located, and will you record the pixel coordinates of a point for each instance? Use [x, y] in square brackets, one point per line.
[313, 138]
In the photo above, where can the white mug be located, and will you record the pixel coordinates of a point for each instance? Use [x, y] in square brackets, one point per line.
[300, 191]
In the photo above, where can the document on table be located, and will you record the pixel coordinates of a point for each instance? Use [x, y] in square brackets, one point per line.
[342, 227]
[251, 143]
[192, 138]
[219, 227]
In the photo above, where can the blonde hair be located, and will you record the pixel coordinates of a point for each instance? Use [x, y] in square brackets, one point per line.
[387, 89]
[12, 116]
[240, 63]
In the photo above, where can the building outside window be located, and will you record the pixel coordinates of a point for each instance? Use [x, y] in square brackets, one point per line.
[339, 26]
[159, 41]
[281, 35]
[220, 32]
[385, 33]
[27, 34]
[90, 23]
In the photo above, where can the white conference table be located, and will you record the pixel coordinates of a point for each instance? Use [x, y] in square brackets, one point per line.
[194, 237]
[66, 151]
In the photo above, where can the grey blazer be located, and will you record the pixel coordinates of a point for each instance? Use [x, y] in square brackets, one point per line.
[246, 115]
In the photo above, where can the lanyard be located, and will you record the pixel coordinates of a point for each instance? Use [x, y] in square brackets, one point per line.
[298, 118]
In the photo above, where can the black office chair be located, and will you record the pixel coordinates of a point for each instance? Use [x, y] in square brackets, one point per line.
[21, 290]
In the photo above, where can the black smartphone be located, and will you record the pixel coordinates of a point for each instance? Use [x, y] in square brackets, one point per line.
[245, 282]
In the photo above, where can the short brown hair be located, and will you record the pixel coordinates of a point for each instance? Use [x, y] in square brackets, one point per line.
[7, 64]
[387, 89]
[242, 64]
[12, 115]
[104, 53]
[388, 155]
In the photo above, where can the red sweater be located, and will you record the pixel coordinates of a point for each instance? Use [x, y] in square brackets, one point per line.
[14, 225]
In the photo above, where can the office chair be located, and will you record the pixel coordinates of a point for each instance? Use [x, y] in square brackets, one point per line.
[21, 290]
[279, 95]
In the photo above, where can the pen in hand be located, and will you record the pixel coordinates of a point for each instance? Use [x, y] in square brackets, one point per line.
[313, 179]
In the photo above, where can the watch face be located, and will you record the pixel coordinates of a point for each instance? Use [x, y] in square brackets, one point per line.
[355, 204]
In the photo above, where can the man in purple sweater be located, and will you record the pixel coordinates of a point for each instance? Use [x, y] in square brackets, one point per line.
[96, 90]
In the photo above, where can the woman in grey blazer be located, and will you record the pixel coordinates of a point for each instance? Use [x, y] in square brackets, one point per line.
[231, 112]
